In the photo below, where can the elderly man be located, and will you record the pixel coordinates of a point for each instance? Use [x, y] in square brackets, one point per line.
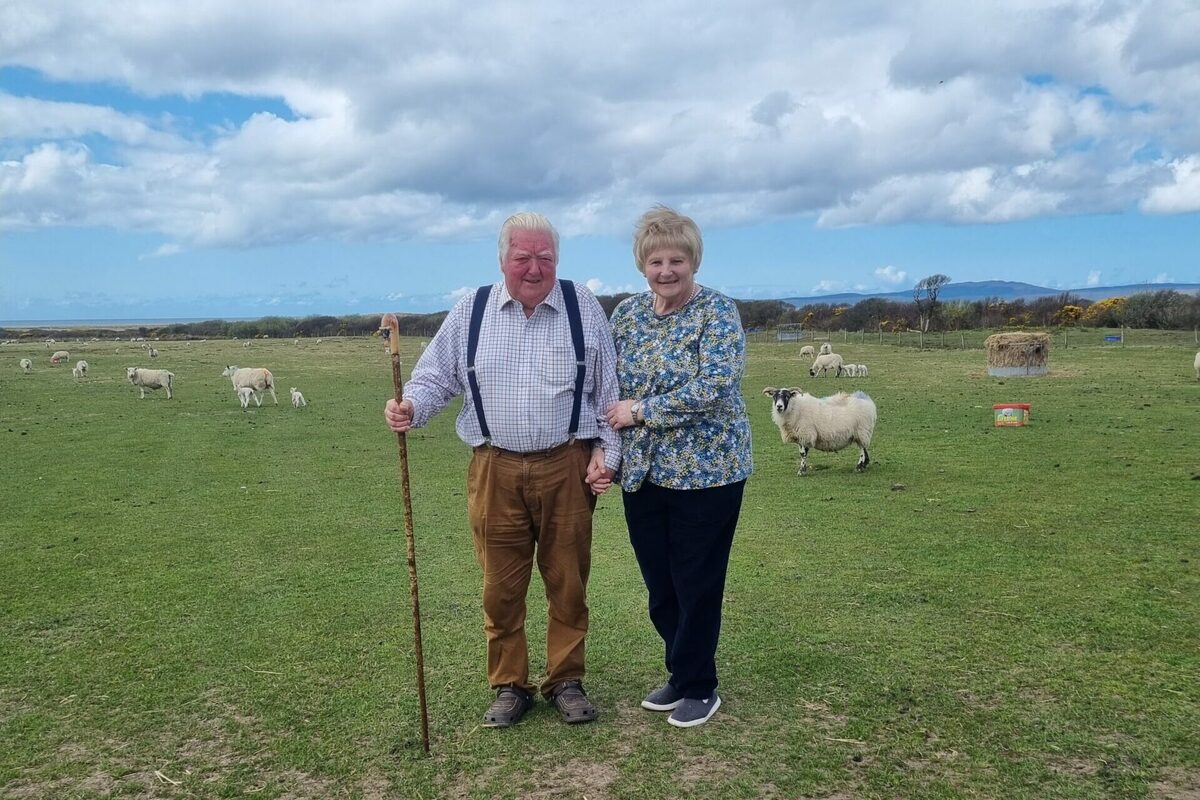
[535, 357]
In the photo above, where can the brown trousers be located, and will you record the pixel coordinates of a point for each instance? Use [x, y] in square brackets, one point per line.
[519, 504]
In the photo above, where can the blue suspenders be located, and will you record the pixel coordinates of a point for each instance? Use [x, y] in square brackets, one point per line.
[571, 302]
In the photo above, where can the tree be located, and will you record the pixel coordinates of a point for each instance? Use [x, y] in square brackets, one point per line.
[925, 295]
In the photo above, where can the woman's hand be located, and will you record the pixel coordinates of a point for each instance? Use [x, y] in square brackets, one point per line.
[620, 415]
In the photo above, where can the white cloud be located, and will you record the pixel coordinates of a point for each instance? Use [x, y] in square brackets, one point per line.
[890, 274]
[459, 293]
[1093, 278]
[393, 296]
[162, 251]
[1163, 277]
[599, 287]
[928, 115]
[829, 287]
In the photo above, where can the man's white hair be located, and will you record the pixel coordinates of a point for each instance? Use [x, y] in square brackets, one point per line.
[525, 221]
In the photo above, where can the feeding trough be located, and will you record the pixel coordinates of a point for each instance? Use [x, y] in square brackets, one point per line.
[1012, 355]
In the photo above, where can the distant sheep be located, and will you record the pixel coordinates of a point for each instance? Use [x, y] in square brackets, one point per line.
[58, 356]
[76, 372]
[150, 379]
[826, 363]
[257, 378]
[244, 394]
[807, 351]
[862, 370]
[27, 365]
[1196, 365]
[82, 366]
[825, 423]
[849, 370]
[152, 352]
[297, 398]
[245, 344]
[826, 348]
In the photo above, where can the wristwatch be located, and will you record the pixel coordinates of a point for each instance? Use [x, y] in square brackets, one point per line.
[635, 411]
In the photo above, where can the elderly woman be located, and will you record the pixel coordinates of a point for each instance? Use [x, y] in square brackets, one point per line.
[686, 452]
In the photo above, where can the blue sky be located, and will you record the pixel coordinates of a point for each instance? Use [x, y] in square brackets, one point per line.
[250, 159]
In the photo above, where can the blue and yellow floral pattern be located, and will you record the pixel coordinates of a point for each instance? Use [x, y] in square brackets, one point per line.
[686, 367]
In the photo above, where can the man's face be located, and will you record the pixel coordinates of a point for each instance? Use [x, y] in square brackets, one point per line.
[529, 267]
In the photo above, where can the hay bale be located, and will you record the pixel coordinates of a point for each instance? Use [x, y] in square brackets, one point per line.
[1014, 354]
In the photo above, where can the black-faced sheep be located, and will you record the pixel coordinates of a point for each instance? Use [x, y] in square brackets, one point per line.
[150, 379]
[825, 423]
[826, 363]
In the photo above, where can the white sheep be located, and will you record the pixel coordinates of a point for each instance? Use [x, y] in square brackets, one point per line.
[1196, 364]
[82, 366]
[58, 356]
[152, 352]
[297, 398]
[258, 378]
[244, 394]
[826, 363]
[76, 372]
[245, 344]
[27, 365]
[849, 370]
[826, 423]
[862, 370]
[150, 379]
[807, 351]
[826, 349]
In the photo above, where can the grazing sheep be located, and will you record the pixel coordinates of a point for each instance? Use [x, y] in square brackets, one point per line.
[150, 379]
[82, 366]
[244, 394]
[152, 352]
[826, 349]
[257, 378]
[245, 344]
[76, 372]
[58, 356]
[862, 370]
[297, 398]
[27, 365]
[849, 370]
[807, 351]
[826, 423]
[826, 363]
[1196, 364]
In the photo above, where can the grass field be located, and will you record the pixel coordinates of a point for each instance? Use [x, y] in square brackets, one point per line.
[200, 601]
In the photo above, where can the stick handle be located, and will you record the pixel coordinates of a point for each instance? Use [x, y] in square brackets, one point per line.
[389, 321]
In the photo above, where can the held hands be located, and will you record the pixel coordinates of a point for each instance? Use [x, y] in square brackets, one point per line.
[398, 415]
[620, 415]
[599, 477]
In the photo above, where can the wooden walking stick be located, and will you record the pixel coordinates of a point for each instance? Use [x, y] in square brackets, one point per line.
[390, 329]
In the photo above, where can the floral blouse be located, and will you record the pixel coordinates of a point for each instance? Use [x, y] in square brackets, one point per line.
[686, 368]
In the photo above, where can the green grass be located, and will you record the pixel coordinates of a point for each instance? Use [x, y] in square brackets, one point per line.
[221, 597]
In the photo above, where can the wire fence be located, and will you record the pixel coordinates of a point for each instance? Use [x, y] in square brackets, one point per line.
[974, 339]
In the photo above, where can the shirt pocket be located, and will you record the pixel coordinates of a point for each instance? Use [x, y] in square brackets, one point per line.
[558, 367]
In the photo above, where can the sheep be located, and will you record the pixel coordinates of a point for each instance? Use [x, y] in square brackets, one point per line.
[82, 366]
[258, 378]
[244, 394]
[297, 398]
[826, 363]
[807, 351]
[1196, 365]
[76, 372]
[849, 370]
[58, 356]
[826, 349]
[826, 423]
[152, 352]
[862, 370]
[150, 379]
[27, 365]
[245, 344]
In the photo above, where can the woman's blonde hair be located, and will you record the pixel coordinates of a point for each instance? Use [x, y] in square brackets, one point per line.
[664, 227]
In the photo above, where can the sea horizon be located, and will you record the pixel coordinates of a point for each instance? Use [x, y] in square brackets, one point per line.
[115, 323]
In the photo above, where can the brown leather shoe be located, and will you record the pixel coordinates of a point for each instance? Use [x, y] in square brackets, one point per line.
[572, 703]
[510, 705]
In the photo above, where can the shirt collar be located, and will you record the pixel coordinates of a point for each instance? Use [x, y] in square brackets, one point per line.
[554, 299]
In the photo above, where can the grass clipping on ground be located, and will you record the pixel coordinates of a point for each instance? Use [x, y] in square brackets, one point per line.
[1018, 349]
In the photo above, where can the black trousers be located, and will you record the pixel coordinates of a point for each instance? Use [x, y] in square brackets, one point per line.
[682, 538]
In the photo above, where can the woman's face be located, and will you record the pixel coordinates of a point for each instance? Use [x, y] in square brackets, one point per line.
[671, 276]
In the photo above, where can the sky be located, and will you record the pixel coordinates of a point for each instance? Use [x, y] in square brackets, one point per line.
[233, 158]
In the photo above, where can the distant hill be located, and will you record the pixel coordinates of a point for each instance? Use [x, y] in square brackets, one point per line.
[1006, 290]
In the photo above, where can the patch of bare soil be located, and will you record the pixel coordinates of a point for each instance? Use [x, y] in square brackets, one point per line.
[575, 778]
[1177, 784]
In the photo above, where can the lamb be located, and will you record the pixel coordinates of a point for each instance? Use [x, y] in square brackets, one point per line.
[244, 394]
[297, 398]
[825, 363]
[58, 356]
[807, 351]
[258, 378]
[1196, 365]
[76, 372]
[849, 370]
[27, 365]
[82, 366]
[826, 349]
[862, 370]
[150, 379]
[152, 352]
[826, 423]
